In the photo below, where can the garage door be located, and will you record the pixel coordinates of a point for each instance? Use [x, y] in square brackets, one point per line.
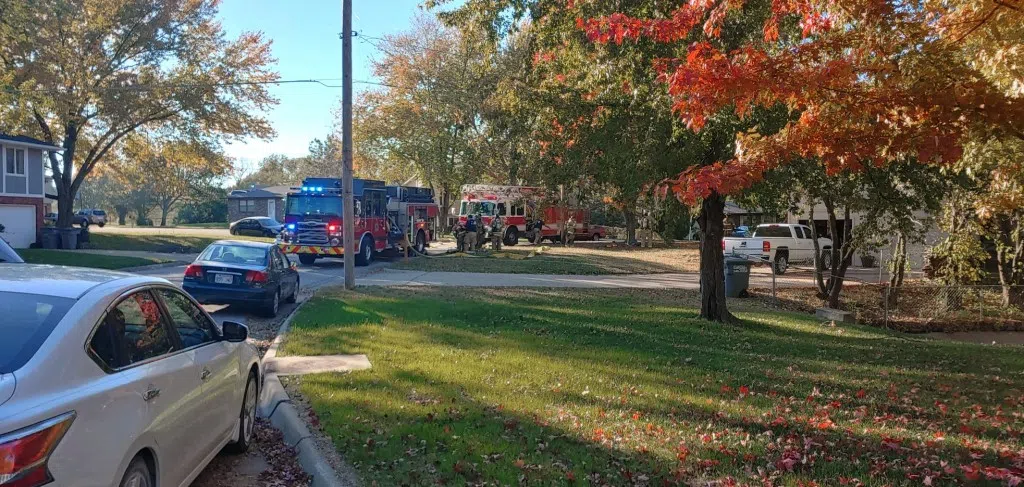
[19, 225]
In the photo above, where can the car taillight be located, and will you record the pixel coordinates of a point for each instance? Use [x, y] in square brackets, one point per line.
[25, 453]
[332, 228]
[256, 277]
[723, 244]
[766, 246]
[194, 271]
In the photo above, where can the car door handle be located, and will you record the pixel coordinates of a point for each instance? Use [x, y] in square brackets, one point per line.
[150, 394]
[206, 374]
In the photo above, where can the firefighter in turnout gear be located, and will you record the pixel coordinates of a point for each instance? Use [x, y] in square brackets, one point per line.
[470, 239]
[460, 236]
[570, 231]
[497, 229]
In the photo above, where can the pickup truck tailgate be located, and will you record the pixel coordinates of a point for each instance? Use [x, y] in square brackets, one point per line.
[751, 248]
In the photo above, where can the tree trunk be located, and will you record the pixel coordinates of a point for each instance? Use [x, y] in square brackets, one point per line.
[897, 268]
[630, 217]
[712, 260]
[164, 210]
[122, 214]
[1008, 250]
[65, 208]
[842, 254]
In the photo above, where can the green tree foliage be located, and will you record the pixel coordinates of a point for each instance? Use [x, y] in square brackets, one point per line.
[173, 170]
[86, 73]
[211, 209]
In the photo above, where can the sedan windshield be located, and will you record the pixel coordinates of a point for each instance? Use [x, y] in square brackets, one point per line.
[27, 321]
[235, 254]
[314, 205]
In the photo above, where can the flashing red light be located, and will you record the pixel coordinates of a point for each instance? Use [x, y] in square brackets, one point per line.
[256, 277]
[332, 228]
[194, 271]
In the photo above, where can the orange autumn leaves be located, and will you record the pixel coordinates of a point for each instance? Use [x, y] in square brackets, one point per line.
[886, 86]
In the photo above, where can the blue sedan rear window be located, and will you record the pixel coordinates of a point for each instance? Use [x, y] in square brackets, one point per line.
[28, 319]
[235, 254]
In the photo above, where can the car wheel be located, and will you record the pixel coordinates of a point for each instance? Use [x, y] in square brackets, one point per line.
[365, 252]
[247, 417]
[137, 475]
[233, 231]
[85, 223]
[274, 305]
[781, 263]
[826, 260]
[511, 237]
[307, 259]
[295, 294]
[102, 224]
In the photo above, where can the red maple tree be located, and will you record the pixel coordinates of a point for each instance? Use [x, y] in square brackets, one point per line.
[867, 82]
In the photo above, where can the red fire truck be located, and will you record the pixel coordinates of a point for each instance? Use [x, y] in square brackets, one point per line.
[524, 211]
[385, 217]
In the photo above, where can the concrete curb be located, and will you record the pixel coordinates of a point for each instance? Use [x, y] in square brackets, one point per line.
[277, 406]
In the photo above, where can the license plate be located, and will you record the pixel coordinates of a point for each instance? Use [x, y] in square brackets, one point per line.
[223, 278]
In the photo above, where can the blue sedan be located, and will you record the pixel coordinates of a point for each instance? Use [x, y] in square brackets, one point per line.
[252, 274]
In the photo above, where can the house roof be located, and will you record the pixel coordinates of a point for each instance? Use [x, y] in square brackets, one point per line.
[262, 192]
[28, 142]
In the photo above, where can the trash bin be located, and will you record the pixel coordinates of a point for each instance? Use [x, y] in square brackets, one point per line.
[51, 238]
[737, 276]
[69, 238]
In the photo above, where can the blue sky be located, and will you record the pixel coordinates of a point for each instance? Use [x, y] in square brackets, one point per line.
[306, 45]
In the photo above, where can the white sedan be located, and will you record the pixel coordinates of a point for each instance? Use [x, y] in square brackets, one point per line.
[115, 379]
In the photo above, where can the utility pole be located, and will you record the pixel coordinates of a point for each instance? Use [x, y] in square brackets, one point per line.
[348, 210]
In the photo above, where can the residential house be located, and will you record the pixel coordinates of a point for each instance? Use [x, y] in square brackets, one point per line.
[258, 201]
[916, 251]
[22, 194]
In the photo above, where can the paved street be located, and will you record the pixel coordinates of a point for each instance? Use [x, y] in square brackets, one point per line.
[324, 273]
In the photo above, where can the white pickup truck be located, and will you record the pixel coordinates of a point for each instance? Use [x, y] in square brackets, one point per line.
[780, 244]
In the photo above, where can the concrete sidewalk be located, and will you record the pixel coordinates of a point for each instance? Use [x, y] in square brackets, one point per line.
[391, 277]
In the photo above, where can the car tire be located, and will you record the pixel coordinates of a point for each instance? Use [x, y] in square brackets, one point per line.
[781, 263]
[307, 259]
[295, 294]
[137, 475]
[84, 223]
[597, 236]
[232, 231]
[365, 255]
[102, 224]
[247, 417]
[271, 308]
[511, 237]
[826, 259]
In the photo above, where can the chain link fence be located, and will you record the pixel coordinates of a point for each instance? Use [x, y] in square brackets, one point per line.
[931, 307]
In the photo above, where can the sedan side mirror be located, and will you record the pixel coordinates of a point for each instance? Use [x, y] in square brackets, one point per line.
[234, 332]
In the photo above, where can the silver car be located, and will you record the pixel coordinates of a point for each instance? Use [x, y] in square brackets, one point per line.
[109, 378]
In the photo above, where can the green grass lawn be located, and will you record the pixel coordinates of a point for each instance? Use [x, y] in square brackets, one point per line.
[584, 259]
[629, 387]
[183, 243]
[82, 259]
[203, 225]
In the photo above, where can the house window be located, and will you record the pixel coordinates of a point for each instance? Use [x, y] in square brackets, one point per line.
[246, 206]
[15, 161]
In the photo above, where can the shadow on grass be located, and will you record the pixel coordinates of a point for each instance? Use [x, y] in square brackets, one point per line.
[606, 261]
[507, 386]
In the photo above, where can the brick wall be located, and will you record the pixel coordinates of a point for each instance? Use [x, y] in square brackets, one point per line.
[259, 208]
